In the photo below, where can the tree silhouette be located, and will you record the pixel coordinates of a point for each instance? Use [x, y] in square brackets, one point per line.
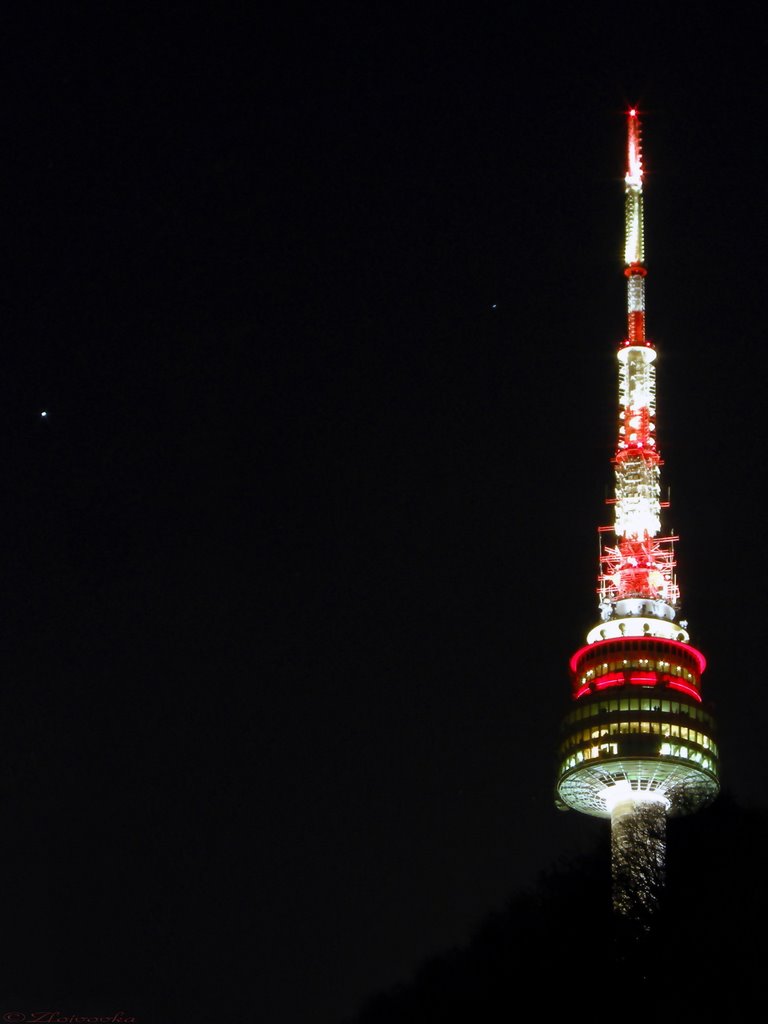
[638, 862]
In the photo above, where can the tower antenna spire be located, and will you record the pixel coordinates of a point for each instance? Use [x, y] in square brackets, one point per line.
[639, 744]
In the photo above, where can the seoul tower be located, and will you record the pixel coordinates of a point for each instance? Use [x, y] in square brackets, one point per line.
[638, 744]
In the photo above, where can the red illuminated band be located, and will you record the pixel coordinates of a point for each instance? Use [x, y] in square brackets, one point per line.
[631, 678]
[649, 679]
[685, 688]
[627, 343]
[660, 647]
[636, 328]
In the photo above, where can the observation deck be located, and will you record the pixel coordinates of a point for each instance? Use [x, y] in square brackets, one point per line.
[658, 742]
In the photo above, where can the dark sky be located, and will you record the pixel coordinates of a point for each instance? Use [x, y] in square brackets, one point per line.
[322, 309]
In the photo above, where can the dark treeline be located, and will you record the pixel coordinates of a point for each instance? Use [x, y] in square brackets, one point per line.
[559, 944]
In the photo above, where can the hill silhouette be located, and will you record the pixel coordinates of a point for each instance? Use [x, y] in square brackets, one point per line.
[560, 945]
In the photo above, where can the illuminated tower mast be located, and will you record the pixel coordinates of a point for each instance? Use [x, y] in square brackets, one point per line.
[638, 744]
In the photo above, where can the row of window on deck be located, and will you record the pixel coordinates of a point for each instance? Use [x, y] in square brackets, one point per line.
[665, 729]
[592, 710]
[645, 664]
[665, 750]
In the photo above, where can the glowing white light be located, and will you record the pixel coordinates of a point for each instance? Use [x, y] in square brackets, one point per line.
[43, 413]
[622, 793]
[640, 626]
[636, 294]
[634, 248]
[647, 354]
[638, 490]
[637, 379]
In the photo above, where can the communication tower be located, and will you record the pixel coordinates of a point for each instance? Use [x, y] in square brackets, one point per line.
[639, 743]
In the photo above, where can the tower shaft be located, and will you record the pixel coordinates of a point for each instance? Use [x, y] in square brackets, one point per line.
[638, 855]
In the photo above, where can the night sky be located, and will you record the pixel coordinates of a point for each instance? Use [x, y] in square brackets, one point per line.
[322, 311]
